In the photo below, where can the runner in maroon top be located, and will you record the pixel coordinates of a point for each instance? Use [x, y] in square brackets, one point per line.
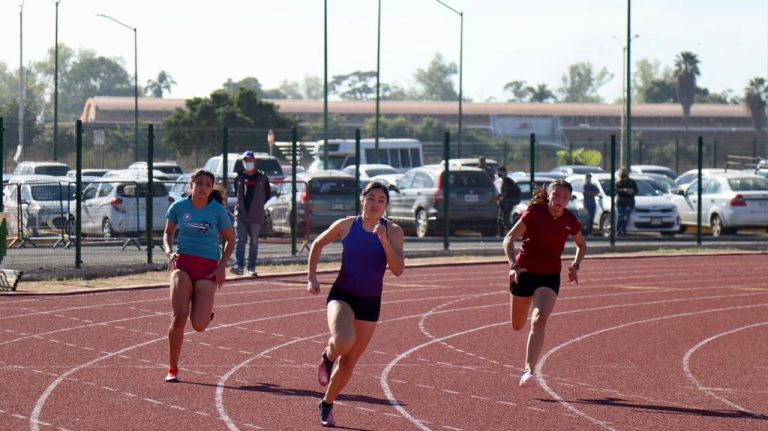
[534, 273]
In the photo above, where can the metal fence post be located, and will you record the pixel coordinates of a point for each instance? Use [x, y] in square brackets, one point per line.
[357, 171]
[613, 191]
[3, 223]
[714, 156]
[699, 162]
[149, 222]
[677, 155]
[446, 188]
[532, 161]
[224, 158]
[78, 192]
[294, 164]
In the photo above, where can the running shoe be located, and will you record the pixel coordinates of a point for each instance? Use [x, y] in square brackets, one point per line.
[237, 270]
[173, 375]
[326, 415]
[252, 272]
[324, 369]
[528, 380]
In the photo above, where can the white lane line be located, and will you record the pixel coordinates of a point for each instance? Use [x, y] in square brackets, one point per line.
[711, 391]
[542, 378]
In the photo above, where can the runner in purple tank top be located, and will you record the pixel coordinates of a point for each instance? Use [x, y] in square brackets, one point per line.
[370, 244]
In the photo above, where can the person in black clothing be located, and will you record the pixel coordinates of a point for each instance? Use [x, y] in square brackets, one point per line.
[253, 191]
[508, 198]
[626, 189]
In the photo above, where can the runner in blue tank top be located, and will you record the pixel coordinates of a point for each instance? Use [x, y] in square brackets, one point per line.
[370, 244]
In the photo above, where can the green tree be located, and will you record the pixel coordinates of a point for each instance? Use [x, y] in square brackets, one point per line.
[646, 72]
[755, 95]
[660, 91]
[582, 83]
[313, 87]
[157, 87]
[291, 89]
[398, 127]
[435, 82]
[358, 85]
[540, 94]
[518, 90]
[581, 156]
[431, 129]
[686, 71]
[241, 109]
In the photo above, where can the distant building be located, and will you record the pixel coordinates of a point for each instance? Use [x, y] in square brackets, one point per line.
[556, 124]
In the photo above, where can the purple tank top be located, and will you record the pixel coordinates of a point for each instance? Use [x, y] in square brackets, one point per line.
[363, 261]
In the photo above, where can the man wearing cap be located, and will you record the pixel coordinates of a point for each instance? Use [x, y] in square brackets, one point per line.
[252, 190]
[590, 192]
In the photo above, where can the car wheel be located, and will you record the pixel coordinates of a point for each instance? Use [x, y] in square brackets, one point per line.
[605, 225]
[69, 227]
[422, 224]
[717, 226]
[106, 229]
[267, 228]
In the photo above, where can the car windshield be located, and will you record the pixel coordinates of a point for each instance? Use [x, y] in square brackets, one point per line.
[380, 171]
[748, 184]
[644, 187]
[169, 169]
[470, 179]
[140, 190]
[50, 192]
[56, 171]
[332, 186]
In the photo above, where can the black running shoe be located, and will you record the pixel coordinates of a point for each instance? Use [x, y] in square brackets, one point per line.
[324, 369]
[326, 414]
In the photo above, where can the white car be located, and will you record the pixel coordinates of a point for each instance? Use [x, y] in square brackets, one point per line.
[117, 206]
[729, 201]
[654, 169]
[38, 203]
[370, 170]
[653, 210]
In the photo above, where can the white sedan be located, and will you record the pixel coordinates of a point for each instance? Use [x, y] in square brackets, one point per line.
[729, 201]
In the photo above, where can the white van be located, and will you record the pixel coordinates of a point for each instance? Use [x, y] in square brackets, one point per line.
[401, 154]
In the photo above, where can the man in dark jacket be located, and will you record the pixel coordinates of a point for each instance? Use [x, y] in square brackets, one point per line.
[509, 197]
[626, 189]
[252, 191]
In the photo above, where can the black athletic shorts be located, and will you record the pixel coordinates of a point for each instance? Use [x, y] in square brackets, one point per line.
[365, 308]
[527, 282]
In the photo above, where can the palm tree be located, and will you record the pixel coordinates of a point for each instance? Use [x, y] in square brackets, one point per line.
[540, 93]
[686, 71]
[754, 97]
[157, 87]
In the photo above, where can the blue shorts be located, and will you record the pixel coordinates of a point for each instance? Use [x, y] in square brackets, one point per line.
[528, 282]
[364, 308]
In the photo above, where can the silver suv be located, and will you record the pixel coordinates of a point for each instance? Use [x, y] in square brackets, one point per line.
[418, 200]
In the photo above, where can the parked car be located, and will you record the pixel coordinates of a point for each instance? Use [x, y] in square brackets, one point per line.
[693, 174]
[117, 207]
[170, 169]
[653, 210]
[264, 162]
[729, 201]
[322, 198]
[576, 169]
[473, 162]
[653, 169]
[370, 170]
[389, 180]
[417, 202]
[56, 169]
[89, 172]
[36, 203]
[181, 187]
[136, 174]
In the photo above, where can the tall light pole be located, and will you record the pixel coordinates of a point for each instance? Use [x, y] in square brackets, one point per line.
[622, 135]
[461, 72]
[629, 85]
[21, 80]
[325, 84]
[135, 85]
[56, 85]
[378, 82]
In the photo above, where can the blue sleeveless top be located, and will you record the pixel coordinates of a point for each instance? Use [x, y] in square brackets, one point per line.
[363, 262]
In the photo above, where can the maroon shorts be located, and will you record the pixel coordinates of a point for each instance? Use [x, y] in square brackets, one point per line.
[198, 268]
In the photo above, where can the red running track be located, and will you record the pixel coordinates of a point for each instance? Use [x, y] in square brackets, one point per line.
[673, 343]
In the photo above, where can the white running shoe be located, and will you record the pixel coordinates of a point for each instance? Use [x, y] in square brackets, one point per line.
[528, 380]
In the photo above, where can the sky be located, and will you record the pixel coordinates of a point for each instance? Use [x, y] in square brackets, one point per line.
[202, 44]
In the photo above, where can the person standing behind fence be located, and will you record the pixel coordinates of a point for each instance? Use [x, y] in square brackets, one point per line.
[590, 192]
[626, 189]
[198, 267]
[509, 197]
[370, 243]
[252, 191]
